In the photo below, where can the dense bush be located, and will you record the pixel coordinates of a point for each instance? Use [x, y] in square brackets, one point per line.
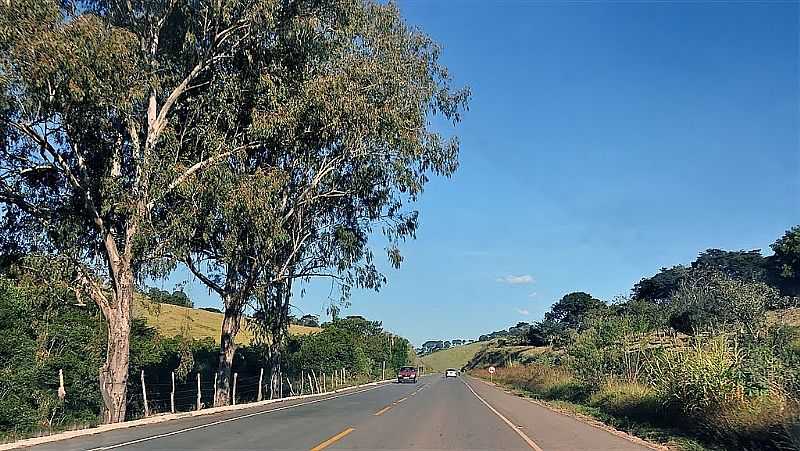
[711, 300]
[353, 343]
[41, 332]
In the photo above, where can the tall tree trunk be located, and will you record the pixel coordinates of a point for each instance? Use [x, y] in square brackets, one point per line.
[227, 349]
[114, 372]
[276, 375]
[278, 328]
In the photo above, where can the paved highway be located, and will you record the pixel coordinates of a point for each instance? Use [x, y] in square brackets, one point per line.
[435, 413]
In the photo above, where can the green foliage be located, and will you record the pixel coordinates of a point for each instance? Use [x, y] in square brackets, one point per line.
[709, 299]
[785, 263]
[780, 270]
[698, 379]
[40, 334]
[308, 320]
[629, 400]
[659, 288]
[359, 345]
[741, 265]
[177, 297]
[572, 310]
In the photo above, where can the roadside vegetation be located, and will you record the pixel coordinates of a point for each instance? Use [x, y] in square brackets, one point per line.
[43, 329]
[710, 358]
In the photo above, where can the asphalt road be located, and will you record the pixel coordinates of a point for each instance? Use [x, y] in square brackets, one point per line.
[435, 413]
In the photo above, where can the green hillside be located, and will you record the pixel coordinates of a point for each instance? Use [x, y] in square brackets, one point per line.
[454, 357]
[172, 320]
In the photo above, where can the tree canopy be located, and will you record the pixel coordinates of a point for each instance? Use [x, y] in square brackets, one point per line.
[256, 141]
[571, 310]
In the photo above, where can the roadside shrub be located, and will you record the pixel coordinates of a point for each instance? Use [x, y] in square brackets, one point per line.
[699, 378]
[710, 300]
[543, 381]
[629, 400]
[41, 332]
[753, 423]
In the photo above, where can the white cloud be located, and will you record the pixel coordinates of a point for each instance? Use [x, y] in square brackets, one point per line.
[523, 311]
[532, 295]
[516, 280]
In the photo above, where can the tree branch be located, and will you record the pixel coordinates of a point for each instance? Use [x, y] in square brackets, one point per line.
[203, 278]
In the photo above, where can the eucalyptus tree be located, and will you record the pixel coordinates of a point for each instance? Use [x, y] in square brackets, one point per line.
[340, 95]
[97, 101]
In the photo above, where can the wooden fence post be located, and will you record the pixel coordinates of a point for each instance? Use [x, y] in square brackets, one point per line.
[235, 376]
[314, 381]
[62, 392]
[198, 389]
[144, 398]
[260, 378]
[172, 395]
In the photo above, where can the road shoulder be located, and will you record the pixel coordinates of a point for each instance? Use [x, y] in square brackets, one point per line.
[553, 429]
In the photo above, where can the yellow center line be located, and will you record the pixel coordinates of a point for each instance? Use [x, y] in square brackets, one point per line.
[400, 400]
[382, 411]
[332, 440]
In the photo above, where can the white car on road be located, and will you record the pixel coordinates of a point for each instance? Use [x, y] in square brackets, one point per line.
[450, 373]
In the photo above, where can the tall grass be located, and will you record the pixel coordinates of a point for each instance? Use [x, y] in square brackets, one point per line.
[717, 389]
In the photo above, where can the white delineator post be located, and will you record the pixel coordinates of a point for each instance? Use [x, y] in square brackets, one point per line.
[172, 395]
[260, 378]
[235, 376]
[383, 371]
[144, 398]
[198, 390]
[62, 392]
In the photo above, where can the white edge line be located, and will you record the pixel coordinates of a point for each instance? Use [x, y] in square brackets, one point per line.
[227, 420]
[527, 439]
[36, 441]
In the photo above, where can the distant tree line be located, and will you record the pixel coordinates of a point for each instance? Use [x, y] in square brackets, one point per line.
[177, 297]
[436, 345]
[513, 332]
[719, 287]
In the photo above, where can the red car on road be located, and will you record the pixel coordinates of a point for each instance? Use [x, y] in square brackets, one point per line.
[407, 374]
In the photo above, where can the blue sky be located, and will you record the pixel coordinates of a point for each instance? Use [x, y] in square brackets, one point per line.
[603, 142]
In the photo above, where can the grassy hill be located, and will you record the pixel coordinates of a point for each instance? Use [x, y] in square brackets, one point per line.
[171, 320]
[454, 357]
